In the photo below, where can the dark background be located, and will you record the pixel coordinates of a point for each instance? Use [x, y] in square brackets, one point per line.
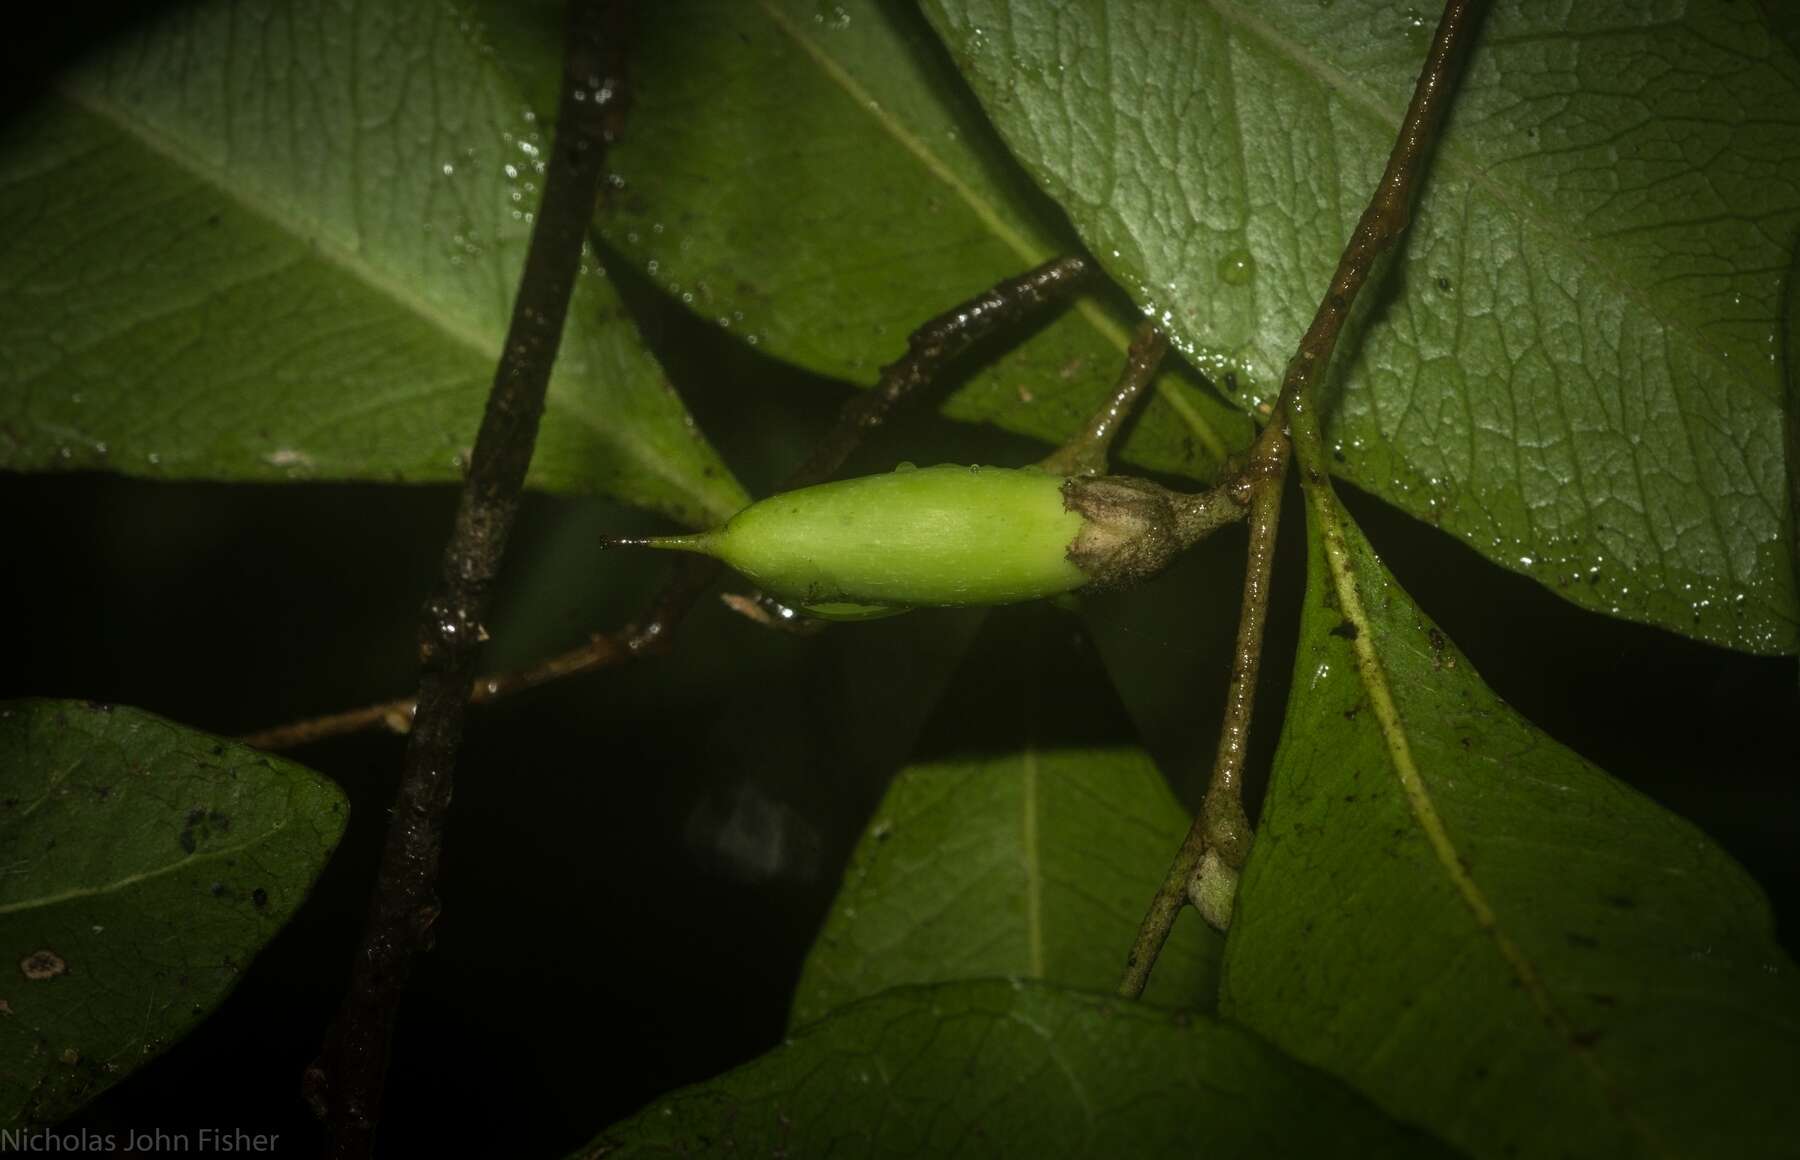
[638, 859]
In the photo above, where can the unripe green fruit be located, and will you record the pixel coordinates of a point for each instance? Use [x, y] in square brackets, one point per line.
[933, 535]
[953, 535]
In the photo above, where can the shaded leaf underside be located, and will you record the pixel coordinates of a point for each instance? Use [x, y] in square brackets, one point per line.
[1570, 366]
[1464, 919]
[261, 241]
[1013, 1069]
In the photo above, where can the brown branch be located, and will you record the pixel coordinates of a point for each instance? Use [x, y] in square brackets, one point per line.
[928, 349]
[1389, 211]
[1218, 841]
[1205, 868]
[650, 634]
[345, 1083]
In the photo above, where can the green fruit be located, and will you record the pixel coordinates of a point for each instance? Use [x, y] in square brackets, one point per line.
[952, 536]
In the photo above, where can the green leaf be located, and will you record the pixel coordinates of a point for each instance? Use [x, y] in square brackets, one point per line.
[1790, 420]
[1569, 365]
[1034, 864]
[1014, 1069]
[277, 241]
[1030, 851]
[145, 864]
[816, 178]
[1485, 933]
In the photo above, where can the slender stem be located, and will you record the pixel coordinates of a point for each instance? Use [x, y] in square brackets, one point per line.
[345, 1084]
[932, 345]
[650, 634]
[1205, 867]
[1221, 828]
[1389, 211]
[1087, 452]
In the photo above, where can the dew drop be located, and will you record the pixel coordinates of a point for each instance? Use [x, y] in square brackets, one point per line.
[1237, 268]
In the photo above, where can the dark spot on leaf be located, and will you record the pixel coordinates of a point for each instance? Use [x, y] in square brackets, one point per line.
[1443, 283]
[1581, 941]
[1349, 797]
[223, 821]
[44, 964]
[217, 890]
[1585, 1039]
[1466, 743]
[1345, 629]
[187, 840]
[195, 815]
[1604, 1000]
[1231, 383]
[259, 898]
[103, 792]
[1621, 901]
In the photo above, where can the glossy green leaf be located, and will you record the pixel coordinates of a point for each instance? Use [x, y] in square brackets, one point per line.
[279, 241]
[1014, 1069]
[1570, 365]
[1485, 933]
[145, 864]
[1029, 849]
[816, 178]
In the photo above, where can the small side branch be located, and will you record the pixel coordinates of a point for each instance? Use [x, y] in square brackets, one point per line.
[929, 348]
[346, 1083]
[1205, 868]
[1089, 450]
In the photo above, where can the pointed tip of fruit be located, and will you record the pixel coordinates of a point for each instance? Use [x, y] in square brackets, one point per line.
[696, 542]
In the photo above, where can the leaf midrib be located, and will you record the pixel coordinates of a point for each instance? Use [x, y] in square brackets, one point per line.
[1034, 871]
[77, 893]
[1420, 804]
